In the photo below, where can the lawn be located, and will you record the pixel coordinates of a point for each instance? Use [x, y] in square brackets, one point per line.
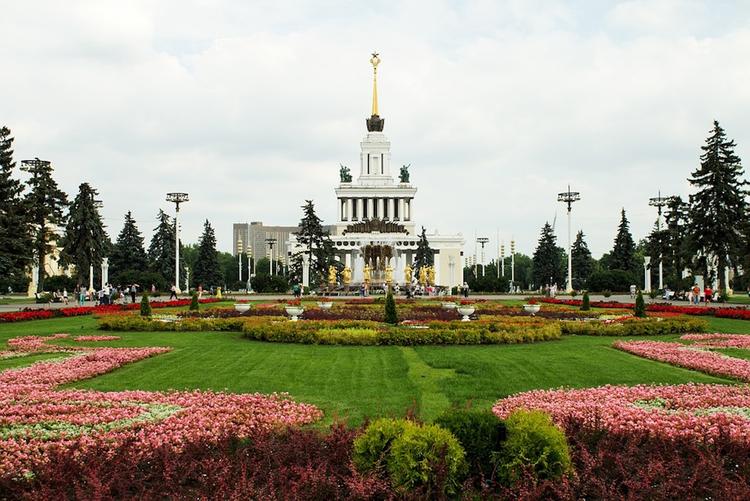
[357, 382]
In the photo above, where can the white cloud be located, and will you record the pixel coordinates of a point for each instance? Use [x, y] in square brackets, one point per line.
[250, 107]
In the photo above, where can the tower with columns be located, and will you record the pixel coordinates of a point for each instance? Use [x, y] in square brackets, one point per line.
[375, 224]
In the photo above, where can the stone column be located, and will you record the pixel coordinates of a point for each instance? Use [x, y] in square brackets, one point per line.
[105, 271]
[370, 206]
[305, 270]
[360, 212]
[380, 207]
[390, 208]
[401, 205]
[436, 264]
[349, 209]
[647, 274]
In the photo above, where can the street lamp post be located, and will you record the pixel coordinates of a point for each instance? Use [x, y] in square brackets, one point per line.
[481, 241]
[177, 199]
[659, 202]
[513, 264]
[502, 259]
[271, 242]
[569, 197]
[239, 260]
[249, 254]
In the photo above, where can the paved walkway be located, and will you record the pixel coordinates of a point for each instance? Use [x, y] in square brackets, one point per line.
[623, 298]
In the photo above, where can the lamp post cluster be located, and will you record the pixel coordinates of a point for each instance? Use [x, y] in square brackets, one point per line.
[271, 242]
[177, 199]
[659, 202]
[482, 241]
[568, 197]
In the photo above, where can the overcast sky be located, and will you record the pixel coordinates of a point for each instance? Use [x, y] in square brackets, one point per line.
[251, 106]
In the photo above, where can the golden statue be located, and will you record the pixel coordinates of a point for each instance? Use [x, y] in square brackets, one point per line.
[423, 275]
[332, 274]
[367, 273]
[388, 274]
[346, 275]
[408, 274]
[431, 275]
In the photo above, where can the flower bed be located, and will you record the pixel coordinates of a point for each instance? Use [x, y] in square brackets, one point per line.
[719, 340]
[690, 358]
[74, 311]
[701, 412]
[740, 313]
[635, 327]
[36, 420]
[95, 338]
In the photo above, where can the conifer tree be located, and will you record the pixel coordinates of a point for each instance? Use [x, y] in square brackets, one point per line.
[85, 241]
[391, 314]
[425, 256]
[718, 207]
[583, 263]
[676, 242]
[15, 232]
[161, 252]
[128, 254]
[316, 241]
[549, 259]
[46, 204]
[623, 252]
[207, 270]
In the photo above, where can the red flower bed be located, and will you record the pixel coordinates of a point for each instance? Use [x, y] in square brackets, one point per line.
[75, 311]
[739, 313]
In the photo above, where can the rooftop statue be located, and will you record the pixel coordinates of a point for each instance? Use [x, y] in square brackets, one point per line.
[405, 173]
[345, 174]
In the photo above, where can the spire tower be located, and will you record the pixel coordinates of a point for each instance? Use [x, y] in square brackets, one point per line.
[375, 123]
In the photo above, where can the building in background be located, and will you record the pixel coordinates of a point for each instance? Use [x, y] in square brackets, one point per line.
[256, 234]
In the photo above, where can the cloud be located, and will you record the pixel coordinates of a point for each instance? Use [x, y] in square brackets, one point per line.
[250, 107]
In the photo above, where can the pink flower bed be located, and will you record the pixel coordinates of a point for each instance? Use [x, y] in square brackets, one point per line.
[692, 410]
[719, 340]
[35, 418]
[96, 338]
[688, 357]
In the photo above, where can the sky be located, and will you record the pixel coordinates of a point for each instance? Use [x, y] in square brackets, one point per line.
[498, 106]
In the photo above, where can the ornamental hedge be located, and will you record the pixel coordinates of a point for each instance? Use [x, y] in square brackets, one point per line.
[636, 327]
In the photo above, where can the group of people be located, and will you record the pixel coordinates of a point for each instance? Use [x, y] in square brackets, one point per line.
[108, 294]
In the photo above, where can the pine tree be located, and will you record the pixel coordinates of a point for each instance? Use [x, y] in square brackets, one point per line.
[623, 252]
[85, 240]
[207, 270]
[640, 306]
[425, 256]
[15, 231]
[586, 302]
[145, 305]
[549, 259]
[46, 204]
[676, 243]
[391, 315]
[718, 207]
[161, 251]
[128, 254]
[316, 241]
[583, 263]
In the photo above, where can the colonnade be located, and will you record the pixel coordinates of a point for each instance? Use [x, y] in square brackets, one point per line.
[384, 208]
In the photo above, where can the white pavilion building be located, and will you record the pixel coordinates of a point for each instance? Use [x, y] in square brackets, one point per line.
[375, 217]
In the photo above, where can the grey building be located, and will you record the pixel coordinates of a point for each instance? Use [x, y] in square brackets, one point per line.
[255, 234]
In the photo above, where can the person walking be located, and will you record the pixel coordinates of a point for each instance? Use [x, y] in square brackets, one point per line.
[133, 290]
[708, 292]
[65, 295]
[173, 293]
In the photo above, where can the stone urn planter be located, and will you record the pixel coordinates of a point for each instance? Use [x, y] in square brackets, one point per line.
[465, 311]
[449, 305]
[294, 312]
[531, 308]
[325, 305]
[242, 307]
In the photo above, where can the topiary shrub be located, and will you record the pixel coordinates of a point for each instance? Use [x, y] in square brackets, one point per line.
[640, 306]
[194, 305]
[391, 316]
[145, 306]
[607, 293]
[371, 449]
[585, 302]
[480, 432]
[534, 445]
[427, 458]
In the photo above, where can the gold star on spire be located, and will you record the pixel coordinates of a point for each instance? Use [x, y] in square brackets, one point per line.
[375, 60]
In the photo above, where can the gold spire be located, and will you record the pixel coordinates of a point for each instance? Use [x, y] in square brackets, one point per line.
[375, 60]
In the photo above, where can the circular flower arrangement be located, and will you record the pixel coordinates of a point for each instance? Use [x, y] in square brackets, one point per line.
[701, 411]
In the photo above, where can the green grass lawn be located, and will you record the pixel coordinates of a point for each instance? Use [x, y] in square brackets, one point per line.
[355, 382]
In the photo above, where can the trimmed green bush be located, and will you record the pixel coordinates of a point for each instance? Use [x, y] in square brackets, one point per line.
[651, 326]
[585, 302]
[145, 306]
[194, 304]
[427, 457]
[480, 432]
[371, 449]
[391, 316]
[640, 306]
[534, 444]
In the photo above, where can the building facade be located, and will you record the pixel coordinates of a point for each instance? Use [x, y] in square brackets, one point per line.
[257, 235]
